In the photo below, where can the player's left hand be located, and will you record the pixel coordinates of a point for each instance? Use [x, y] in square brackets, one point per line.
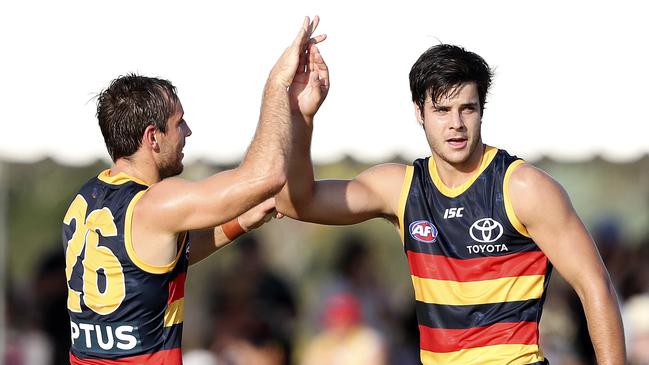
[258, 215]
[311, 82]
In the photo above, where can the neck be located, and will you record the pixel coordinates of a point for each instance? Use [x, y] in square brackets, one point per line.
[137, 167]
[455, 174]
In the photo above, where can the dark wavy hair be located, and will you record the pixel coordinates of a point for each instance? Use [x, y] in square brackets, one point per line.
[442, 68]
[130, 104]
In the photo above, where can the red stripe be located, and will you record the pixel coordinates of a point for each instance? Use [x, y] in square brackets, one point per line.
[450, 340]
[164, 357]
[177, 288]
[482, 268]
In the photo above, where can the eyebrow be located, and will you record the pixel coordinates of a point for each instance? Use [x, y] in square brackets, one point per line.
[469, 104]
[444, 106]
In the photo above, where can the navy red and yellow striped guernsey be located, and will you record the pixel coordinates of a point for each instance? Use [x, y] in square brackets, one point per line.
[122, 310]
[479, 279]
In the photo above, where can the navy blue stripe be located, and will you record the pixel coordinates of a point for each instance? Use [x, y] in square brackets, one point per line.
[173, 336]
[470, 316]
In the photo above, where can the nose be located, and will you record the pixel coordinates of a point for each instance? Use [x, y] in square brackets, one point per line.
[456, 120]
[188, 131]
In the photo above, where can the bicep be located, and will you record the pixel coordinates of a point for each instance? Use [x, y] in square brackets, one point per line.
[544, 207]
[178, 205]
[371, 194]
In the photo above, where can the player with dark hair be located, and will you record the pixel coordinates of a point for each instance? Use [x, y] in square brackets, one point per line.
[481, 229]
[127, 233]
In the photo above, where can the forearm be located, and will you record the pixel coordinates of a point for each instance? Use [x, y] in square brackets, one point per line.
[299, 188]
[605, 325]
[269, 149]
[205, 242]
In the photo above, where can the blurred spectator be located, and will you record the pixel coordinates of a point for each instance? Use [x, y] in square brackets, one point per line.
[355, 272]
[254, 311]
[345, 339]
[38, 330]
[50, 298]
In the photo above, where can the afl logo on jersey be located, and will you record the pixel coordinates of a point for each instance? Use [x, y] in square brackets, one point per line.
[486, 230]
[423, 231]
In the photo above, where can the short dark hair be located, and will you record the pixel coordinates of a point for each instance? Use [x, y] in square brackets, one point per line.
[130, 104]
[442, 68]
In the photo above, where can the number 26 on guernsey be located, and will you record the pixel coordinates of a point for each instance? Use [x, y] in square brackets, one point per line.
[86, 234]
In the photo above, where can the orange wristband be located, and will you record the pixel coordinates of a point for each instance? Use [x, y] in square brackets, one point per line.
[232, 229]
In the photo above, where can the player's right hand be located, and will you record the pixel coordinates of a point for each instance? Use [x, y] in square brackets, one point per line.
[286, 67]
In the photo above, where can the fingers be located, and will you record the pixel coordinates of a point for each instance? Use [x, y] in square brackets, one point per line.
[301, 35]
[300, 42]
[318, 65]
[314, 24]
[317, 39]
[267, 205]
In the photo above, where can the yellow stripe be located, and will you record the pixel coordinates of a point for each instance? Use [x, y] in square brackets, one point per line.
[478, 292]
[118, 179]
[489, 154]
[175, 312]
[405, 189]
[509, 208]
[487, 355]
[130, 250]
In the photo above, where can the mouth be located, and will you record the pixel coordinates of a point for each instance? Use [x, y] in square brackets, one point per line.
[457, 143]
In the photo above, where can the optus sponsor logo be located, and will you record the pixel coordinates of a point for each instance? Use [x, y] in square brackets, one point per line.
[423, 231]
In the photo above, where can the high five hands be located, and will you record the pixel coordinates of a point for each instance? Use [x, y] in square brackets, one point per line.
[311, 81]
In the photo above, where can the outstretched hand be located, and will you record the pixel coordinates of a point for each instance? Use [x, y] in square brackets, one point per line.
[291, 60]
[311, 82]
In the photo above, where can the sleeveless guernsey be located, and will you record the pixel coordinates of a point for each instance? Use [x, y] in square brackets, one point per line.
[478, 277]
[122, 310]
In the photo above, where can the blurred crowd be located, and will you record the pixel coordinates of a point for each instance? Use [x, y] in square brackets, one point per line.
[251, 314]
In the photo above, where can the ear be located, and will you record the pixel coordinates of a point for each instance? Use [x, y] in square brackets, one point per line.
[149, 138]
[418, 114]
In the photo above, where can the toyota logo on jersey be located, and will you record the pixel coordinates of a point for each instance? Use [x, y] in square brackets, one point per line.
[486, 230]
[423, 231]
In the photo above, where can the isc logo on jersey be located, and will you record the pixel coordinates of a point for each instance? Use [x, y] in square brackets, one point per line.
[423, 231]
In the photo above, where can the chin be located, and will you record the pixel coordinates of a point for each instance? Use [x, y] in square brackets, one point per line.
[171, 171]
[457, 158]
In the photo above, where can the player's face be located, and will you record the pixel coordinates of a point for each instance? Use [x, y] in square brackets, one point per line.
[172, 143]
[452, 125]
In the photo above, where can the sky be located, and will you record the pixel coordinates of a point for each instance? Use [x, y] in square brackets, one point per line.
[570, 76]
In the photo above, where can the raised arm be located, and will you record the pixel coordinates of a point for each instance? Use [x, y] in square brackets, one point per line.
[544, 208]
[175, 205]
[374, 193]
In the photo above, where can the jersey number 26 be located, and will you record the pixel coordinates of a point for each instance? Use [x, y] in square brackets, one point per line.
[86, 234]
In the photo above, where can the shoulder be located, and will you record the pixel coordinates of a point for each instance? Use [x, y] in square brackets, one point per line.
[161, 202]
[386, 177]
[534, 194]
[384, 183]
[529, 179]
[386, 171]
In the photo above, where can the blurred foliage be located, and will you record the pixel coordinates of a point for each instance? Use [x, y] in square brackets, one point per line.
[38, 197]
[39, 193]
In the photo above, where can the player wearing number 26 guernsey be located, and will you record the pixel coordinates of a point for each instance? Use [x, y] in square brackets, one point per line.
[127, 232]
[120, 307]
